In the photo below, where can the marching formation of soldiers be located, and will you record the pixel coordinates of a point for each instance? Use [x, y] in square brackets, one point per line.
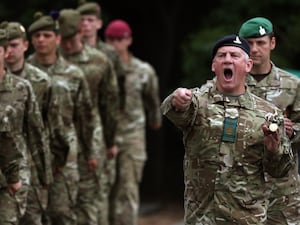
[72, 120]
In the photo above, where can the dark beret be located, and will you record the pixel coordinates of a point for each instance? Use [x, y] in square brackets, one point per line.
[44, 22]
[14, 30]
[68, 22]
[90, 8]
[3, 37]
[231, 40]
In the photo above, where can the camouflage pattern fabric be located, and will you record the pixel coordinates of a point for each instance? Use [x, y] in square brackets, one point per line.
[129, 170]
[104, 91]
[37, 202]
[113, 55]
[225, 180]
[141, 94]
[21, 115]
[282, 89]
[108, 174]
[37, 194]
[75, 107]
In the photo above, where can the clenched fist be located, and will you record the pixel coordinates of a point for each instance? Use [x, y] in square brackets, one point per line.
[181, 98]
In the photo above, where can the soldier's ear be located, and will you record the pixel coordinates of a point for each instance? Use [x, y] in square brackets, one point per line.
[273, 43]
[99, 24]
[213, 66]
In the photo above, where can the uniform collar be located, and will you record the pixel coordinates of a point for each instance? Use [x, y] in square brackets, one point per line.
[273, 79]
[244, 100]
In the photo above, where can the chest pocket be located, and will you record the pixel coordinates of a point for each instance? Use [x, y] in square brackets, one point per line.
[209, 124]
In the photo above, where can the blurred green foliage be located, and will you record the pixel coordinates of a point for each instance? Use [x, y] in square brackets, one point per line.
[226, 19]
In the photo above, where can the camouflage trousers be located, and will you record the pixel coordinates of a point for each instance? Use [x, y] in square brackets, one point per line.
[88, 186]
[37, 201]
[62, 197]
[103, 199]
[12, 208]
[284, 210]
[125, 199]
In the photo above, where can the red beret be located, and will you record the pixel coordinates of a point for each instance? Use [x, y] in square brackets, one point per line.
[117, 29]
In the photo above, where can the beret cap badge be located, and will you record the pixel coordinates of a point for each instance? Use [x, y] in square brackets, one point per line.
[237, 40]
[262, 30]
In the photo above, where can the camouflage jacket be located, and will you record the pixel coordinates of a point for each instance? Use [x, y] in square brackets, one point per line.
[40, 83]
[21, 116]
[225, 159]
[113, 55]
[283, 90]
[75, 109]
[103, 87]
[9, 161]
[139, 95]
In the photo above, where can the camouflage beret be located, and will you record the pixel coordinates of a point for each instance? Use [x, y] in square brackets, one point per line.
[90, 8]
[256, 27]
[44, 22]
[14, 30]
[3, 37]
[231, 40]
[68, 22]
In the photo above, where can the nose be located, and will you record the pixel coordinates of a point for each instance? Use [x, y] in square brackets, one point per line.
[228, 56]
[253, 47]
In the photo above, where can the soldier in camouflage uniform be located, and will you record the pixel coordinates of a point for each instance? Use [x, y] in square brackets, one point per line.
[91, 23]
[22, 118]
[15, 61]
[10, 156]
[229, 145]
[76, 112]
[104, 91]
[282, 89]
[139, 93]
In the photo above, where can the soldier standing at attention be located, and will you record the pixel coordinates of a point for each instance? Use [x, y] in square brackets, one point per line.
[139, 95]
[21, 117]
[40, 81]
[75, 110]
[104, 91]
[229, 146]
[281, 88]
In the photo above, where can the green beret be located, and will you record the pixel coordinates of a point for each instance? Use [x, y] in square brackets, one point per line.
[3, 37]
[44, 22]
[90, 8]
[14, 30]
[231, 40]
[256, 27]
[68, 22]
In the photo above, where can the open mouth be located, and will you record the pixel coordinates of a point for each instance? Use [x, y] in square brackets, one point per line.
[228, 74]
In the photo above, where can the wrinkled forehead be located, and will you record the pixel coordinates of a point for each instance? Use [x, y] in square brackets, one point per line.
[230, 49]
